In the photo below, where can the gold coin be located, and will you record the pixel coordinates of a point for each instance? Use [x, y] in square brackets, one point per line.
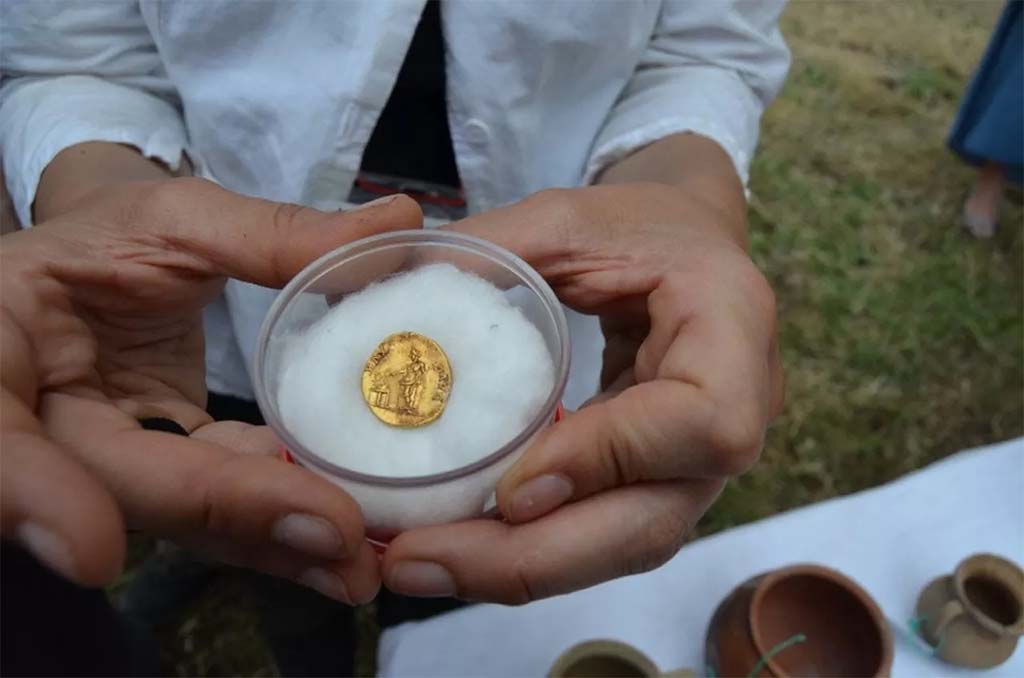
[407, 380]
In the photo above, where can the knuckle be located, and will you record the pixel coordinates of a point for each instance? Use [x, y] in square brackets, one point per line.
[737, 441]
[662, 538]
[759, 292]
[167, 195]
[218, 497]
[674, 286]
[526, 584]
[284, 220]
[211, 518]
[286, 215]
[617, 449]
[668, 299]
[161, 204]
[616, 465]
[554, 199]
[519, 593]
[564, 209]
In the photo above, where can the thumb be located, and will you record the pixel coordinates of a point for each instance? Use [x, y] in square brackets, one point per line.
[661, 430]
[262, 241]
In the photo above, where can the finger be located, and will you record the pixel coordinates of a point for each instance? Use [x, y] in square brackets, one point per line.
[574, 239]
[720, 337]
[617, 533]
[354, 581]
[515, 227]
[55, 509]
[240, 437]
[261, 241]
[699, 411]
[174, 486]
[650, 432]
[555, 233]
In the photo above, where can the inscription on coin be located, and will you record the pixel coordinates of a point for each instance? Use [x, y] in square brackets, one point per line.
[407, 380]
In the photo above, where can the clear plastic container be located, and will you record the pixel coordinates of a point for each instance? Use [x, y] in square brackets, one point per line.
[393, 504]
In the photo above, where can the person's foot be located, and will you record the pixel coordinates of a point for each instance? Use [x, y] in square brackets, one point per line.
[979, 222]
[981, 211]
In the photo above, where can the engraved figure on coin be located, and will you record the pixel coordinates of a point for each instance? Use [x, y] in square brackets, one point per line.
[414, 376]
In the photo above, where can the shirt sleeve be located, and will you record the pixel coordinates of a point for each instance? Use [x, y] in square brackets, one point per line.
[711, 68]
[75, 72]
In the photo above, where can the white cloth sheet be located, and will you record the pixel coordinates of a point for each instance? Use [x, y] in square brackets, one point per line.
[892, 540]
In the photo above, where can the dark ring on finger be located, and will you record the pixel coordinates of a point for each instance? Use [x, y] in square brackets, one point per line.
[163, 424]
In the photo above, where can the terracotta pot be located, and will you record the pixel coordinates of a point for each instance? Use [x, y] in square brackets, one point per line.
[608, 659]
[756, 629]
[975, 617]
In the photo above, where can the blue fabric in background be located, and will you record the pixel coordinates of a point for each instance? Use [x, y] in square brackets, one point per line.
[990, 124]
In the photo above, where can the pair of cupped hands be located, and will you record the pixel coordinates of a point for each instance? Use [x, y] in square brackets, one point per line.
[102, 327]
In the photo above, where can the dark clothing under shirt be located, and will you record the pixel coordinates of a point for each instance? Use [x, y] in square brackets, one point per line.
[412, 139]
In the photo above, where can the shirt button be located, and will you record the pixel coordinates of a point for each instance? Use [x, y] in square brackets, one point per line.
[477, 132]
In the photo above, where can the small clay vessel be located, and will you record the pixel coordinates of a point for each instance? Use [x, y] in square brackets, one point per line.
[975, 616]
[803, 620]
[608, 659]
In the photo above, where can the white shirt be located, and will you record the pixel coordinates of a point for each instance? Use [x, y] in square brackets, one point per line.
[278, 99]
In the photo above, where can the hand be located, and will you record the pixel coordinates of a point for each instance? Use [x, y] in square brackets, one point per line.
[101, 327]
[693, 378]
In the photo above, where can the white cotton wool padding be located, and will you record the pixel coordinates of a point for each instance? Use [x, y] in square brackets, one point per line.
[502, 373]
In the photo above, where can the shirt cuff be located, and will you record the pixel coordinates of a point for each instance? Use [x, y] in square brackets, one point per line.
[712, 102]
[41, 117]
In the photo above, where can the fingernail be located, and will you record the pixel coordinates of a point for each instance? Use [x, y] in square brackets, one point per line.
[539, 496]
[325, 582]
[309, 534]
[421, 579]
[379, 202]
[48, 547]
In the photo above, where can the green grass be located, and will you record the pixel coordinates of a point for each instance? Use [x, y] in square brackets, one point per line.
[902, 336]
